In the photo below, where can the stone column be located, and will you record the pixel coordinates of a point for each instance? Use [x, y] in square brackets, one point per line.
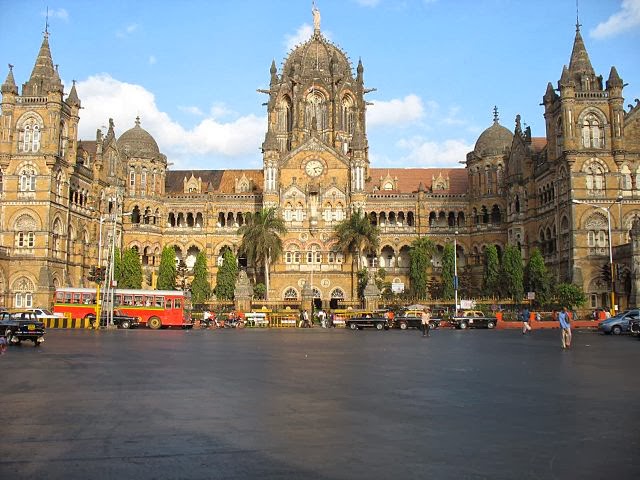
[307, 298]
[243, 292]
[371, 293]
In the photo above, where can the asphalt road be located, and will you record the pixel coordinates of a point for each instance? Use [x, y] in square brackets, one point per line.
[320, 404]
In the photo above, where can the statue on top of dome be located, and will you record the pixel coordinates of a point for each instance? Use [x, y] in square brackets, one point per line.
[316, 17]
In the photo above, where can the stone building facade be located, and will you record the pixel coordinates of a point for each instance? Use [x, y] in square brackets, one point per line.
[62, 199]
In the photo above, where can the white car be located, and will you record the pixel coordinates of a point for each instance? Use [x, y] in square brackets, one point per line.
[42, 313]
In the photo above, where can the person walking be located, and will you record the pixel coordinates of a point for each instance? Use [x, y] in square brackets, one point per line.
[426, 318]
[524, 316]
[323, 318]
[305, 319]
[565, 325]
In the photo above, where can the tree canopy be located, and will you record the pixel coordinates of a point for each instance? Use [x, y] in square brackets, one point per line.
[448, 289]
[131, 273]
[491, 277]
[167, 269]
[512, 273]
[261, 240]
[420, 255]
[200, 286]
[536, 278]
[226, 277]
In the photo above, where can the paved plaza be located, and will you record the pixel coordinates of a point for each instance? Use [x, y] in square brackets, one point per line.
[320, 404]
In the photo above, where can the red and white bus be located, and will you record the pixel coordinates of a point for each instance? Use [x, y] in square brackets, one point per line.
[155, 308]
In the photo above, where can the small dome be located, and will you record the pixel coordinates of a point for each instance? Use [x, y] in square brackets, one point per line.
[493, 140]
[137, 142]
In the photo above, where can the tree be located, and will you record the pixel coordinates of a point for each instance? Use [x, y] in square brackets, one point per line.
[200, 286]
[512, 273]
[357, 236]
[491, 277]
[261, 240]
[569, 295]
[379, 279]
[536, 278]
[117, 265]
[167, 269]
[448, 289]
[420, 255]
[131, 274]
[259, 291]
[226, 277]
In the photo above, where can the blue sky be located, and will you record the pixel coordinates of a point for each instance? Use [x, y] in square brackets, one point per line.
[191, 68]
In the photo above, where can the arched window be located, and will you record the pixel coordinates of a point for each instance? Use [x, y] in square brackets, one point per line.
[25, 227]
[132, 180]
[625, 178]
[314, 255]
[348, 114]
[290, 294]
[592, 132]
[143, 182]
[596, 226]
[30, 127]
[316, 112]
[23, 293]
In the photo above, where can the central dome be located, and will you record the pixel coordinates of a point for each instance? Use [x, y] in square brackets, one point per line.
[493, 141]
[316, 55]
[137, 142]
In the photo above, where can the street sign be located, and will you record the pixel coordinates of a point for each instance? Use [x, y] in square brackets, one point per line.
[531, 295]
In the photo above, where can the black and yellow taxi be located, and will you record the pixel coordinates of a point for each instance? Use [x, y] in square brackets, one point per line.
[19, 325]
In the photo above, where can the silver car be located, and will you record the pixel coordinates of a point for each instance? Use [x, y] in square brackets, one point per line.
[619, 323]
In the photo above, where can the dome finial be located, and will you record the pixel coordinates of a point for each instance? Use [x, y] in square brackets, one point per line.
[138, 121]
[496, 118]
[316, 17]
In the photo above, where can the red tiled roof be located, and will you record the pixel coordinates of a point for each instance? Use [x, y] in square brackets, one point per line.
[538, 143]
[409, 179]
[214, 181]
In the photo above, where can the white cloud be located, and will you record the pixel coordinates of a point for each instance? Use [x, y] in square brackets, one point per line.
[429, 153]
[626, 19]
[60, 13]
[395, 112]
[152, 60]
[193, 110]
[128, 30]
[304, 33]
[105, 97]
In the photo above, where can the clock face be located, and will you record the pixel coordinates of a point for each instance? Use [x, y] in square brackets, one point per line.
[314, 168]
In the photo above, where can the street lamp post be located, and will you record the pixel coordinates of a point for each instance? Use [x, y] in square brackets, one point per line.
[455, 270]
[612, 294]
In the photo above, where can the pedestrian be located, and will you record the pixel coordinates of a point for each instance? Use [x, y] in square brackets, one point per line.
[305, 319]
[3, 345]
[565, 325]
[332, 319]
[524, 316]
[607, 314]
[323, 318]
[426, 318]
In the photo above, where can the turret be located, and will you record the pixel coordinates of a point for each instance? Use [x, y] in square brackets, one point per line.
[615, 86]
[44, 78]
[9, 87]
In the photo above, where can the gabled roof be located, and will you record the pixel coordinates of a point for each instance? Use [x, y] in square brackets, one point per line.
[409, 179]
[213, 181]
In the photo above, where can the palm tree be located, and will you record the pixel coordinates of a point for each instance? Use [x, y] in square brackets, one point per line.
[356, 236]
[261, 240]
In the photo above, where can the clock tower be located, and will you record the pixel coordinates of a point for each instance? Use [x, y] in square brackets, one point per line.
[315, 152]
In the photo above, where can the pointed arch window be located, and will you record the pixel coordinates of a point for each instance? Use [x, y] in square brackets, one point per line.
[316, 112]
[348, 115]
[592, 132]
[143, 182]
[132, 180]
[290, 294]
[23, 293]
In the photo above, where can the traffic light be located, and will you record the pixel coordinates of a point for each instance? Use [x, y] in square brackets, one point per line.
[93, 274]
[606, 273]
[100, 274]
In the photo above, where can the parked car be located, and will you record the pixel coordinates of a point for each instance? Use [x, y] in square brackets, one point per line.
[473, 319]
[413, 319]
[619, 323]
[21, 325]
[634, 327]
[43, 313]
[358, 323]
[120, 320]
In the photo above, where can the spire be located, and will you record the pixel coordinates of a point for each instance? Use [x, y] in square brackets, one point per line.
[496, 117]
[73, 99]
[43, 75]
[360, 71]
[580, 68]
[614, 79]
[358, 141]
[9, 85]
[274, 72]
